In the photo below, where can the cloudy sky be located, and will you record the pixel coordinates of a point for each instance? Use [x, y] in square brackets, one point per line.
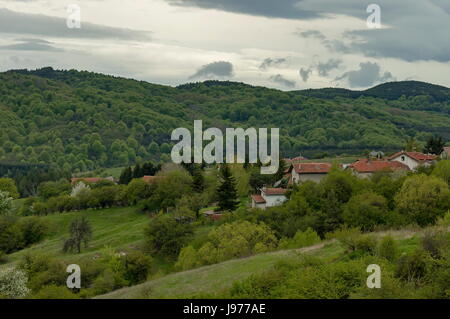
[284, 44]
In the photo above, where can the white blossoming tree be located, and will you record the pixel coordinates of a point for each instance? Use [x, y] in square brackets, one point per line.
[80, 187]
[13, 283]
[5, 203]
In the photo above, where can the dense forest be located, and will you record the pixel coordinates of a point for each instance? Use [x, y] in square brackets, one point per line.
[78, 121]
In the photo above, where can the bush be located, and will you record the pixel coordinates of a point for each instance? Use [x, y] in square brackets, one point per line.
[165, 236]
[11, 237]
[423, 199]
[137, 267]
[301, 239]
[366, 211]
[388, 248]
[43, 270]
[366, 244]
[8, 185]
[435, 242]
[13, 283]
[33, 229]
[346, 236]
[413, 266]
[231, 240]
[54, 292]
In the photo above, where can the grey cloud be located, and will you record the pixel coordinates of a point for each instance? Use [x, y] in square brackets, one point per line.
[326, 67]
[268, 8]
[12, 22]
[368, 74]
[31, 45]
[311, 34]
[219, 69]
[269, 62]
[418, 30]
[305, 73]
[278, 78]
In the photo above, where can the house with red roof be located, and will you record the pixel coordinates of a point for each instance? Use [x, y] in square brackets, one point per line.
[413, 159]
[366, 167]
[269, 197]
[302, 172]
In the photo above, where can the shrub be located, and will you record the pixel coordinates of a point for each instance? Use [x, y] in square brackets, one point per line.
[5, 203]
[445, 220]
[187, 259]
[388, 248]
[54, 292]
[11, 238]
[423, 199]
[8, 185]
[413, 266]
[435, 242]
[165, 236]
[366, 211]
[301, 239]
[346, 236]
[366, 244]
[13, 283]
[137, 267]
[33, 229]
[43, 270]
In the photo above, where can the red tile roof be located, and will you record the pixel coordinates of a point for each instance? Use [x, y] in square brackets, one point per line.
[86, 179]
[274, 191]
[312, 168]
[418, 156]
[258, 199]
[370, 166]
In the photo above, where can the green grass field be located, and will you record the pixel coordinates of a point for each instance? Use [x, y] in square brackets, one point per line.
[119, 228]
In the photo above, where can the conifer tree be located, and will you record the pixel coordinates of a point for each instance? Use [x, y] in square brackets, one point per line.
[226, 192]
[126, 176]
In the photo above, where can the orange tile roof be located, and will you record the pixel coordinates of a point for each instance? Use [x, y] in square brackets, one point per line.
[370, 166]
[418, 156]
[274, 191]
[258, 199]
[312, 168]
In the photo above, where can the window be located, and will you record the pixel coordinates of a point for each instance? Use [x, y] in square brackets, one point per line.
[403, 158]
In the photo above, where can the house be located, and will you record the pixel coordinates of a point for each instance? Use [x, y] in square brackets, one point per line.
[269, 197]
[413, 159]
[302, 172]
[90, 180]
[365, 167]
[446, 153]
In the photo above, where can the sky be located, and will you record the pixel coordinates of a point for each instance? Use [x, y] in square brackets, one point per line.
[282, 44]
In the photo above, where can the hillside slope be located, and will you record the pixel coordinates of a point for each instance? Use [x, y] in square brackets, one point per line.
[214, 278]
[81, 121]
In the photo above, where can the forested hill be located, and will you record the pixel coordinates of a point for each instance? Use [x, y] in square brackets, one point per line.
[82, 120]
[390, 91]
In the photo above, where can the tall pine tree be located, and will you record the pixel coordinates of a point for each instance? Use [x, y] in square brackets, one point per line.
[226, 192]
[435, 145]
[126, 176]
